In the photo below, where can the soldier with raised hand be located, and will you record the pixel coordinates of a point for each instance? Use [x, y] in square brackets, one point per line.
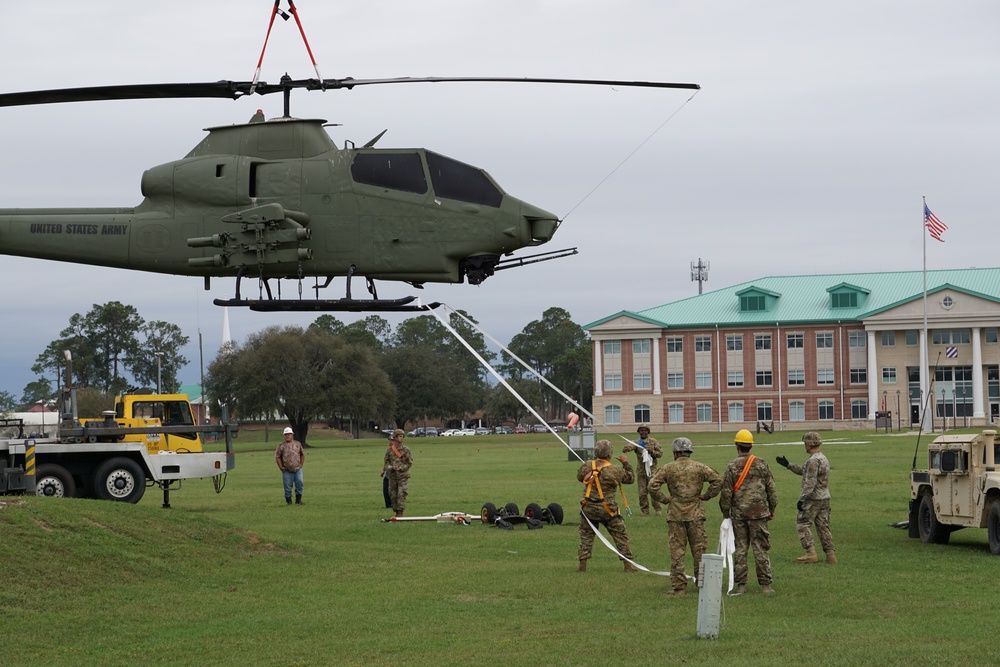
[685, 479]
[648, 450]
[396, 465]
[749, 498]
[814, 500]
[602, 479]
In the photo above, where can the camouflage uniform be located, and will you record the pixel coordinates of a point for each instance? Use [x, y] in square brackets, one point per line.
[611, 476]
[642, 479]
[815, 499]
[750, 508]
[685, 479]
[399, 480]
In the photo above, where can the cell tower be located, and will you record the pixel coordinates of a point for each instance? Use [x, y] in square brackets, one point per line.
[699, 272]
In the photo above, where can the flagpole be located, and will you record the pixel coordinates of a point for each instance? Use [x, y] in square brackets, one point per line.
[924, 369]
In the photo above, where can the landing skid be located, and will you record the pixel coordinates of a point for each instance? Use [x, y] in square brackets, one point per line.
[375, 304]
[404, 305]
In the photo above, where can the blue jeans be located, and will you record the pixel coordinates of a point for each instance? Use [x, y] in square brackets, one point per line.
[289, 478]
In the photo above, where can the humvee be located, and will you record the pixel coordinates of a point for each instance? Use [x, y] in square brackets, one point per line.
[959, 489]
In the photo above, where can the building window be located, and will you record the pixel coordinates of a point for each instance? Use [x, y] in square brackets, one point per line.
[859, 409]
[703, 380]
[951, 336]
[859, 375]
[796, 376]
[824, 376]
[702, 343]
[734, 342]
[675, 344]
[704, 412]
[856, 339]
[676, 412]
[752, 303]
[888, 339]
[889, 374]
[675, 380]
[735, 412]
[642, 381]
[613, 381]
[844, 300]
[612, 347]
[734, 378]
[764, 379]
[993, 382]
[612, 414]
[824, 340]
[990, 334]
[912, 337]
[640, 346]
[764, 413]
[795, 341]
[797, 411]
[642, 414]
[826, 409]
[762, 341]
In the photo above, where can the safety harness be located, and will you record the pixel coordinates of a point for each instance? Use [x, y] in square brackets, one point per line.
[592, 477]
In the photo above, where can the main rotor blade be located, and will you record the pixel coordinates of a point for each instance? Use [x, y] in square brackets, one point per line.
[236, 89]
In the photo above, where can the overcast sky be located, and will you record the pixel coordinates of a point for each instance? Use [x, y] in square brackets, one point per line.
[817, 130]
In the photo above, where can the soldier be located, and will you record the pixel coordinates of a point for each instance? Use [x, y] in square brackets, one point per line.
[397, 463]
[647, 450]
[685, 479]
[814, 501]
[598, 503]
[749, 499]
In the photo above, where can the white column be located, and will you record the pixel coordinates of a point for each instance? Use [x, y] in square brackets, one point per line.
[873, 375]
[977, 375]
[656, 366]
[598, 373]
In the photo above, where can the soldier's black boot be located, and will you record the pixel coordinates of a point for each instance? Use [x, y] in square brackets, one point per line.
[298, 500]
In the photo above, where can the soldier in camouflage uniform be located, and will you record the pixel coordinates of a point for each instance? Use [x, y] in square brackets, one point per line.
[598, 503]
[645, 468]
[397, 463]
[748, 498]
[685, 478]
[814, 502]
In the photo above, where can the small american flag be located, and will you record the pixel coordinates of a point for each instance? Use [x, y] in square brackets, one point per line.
[934, 226]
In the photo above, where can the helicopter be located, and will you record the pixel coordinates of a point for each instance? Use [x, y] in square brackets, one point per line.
[274, 199]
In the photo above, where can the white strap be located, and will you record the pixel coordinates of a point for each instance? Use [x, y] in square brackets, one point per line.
[727, 547]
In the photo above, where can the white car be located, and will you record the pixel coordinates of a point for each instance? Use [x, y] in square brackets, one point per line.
[467, 431]
[450, 432]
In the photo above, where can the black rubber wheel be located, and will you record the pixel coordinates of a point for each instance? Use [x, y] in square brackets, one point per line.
[489, 513]
[121, 480]
[54, 481]
[533, 511]
[931, 532]
[511, 509]
[556, 512]
[993, 527]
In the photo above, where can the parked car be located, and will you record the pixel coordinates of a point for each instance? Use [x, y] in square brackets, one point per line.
[431, 432]
[450, 432]
[539, 428]
[482, 430]
[520, 429]
[503, 430]
[466, 431]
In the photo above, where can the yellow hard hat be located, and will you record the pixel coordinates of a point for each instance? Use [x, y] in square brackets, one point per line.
[744, 437]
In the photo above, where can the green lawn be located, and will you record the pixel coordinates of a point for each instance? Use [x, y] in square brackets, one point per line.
[240, 578]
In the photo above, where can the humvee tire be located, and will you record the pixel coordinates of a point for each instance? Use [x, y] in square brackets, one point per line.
[931, 532]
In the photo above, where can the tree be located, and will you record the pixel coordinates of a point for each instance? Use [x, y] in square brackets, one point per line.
[7, 402]
[112, 330]
[502, 406]
[161, 357]
[304, 374]
[37, 391]
[559, 350]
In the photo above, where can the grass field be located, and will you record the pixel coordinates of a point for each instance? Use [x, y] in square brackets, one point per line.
[240, 578]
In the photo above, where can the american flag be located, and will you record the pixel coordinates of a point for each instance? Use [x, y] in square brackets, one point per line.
[934, 226]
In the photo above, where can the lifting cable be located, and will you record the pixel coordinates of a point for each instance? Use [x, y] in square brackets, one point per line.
[629, 156]
[277, 11]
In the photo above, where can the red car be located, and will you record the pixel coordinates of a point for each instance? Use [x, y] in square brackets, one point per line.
[520, 429]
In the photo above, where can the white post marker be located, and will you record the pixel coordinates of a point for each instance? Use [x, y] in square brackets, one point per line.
[709, 595]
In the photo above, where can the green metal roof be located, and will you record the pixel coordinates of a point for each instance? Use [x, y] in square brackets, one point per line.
[803, 299]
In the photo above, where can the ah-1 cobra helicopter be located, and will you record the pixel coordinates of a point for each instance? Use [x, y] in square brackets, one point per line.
[274, 199]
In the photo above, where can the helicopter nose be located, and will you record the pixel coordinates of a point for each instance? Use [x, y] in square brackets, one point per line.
[543, 225]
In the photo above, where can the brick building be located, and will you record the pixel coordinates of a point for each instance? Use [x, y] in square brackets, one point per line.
[806, 352]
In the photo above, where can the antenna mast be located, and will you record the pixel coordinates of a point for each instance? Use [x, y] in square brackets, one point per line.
[699, 272]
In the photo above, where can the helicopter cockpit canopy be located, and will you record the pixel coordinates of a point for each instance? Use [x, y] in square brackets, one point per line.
[404, 171]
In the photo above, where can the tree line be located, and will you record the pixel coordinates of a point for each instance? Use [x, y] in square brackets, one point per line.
[329, 372]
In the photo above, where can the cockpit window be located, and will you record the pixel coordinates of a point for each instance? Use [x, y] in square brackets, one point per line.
[455, 180]
[395, 171]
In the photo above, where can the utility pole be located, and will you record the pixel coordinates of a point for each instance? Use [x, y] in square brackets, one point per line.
[699, 272]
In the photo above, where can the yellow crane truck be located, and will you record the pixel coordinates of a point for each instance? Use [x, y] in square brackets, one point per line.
[147, 440]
